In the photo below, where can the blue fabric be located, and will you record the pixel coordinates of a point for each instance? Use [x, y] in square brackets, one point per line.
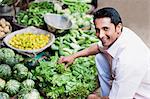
[103, 74]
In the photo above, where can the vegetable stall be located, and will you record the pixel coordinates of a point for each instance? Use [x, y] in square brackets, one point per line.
[27, 75]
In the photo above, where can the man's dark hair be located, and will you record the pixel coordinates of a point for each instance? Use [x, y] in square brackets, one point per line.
[110, 13]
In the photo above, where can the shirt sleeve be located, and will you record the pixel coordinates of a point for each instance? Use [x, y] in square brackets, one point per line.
[128, 76]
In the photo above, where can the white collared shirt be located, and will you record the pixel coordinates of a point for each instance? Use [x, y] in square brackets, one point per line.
[131, 67]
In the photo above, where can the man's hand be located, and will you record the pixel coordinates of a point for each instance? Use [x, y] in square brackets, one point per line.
[67, 60]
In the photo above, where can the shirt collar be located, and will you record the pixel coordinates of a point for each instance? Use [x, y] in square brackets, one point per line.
[114, 48]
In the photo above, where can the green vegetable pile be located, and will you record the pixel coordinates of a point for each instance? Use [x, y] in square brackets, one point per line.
[80, 7]
[73, 41]
[8, 56]
[15, 78]
[34, 14]
[8, 2]
[77, 81]
[48, 79]
[73, 1]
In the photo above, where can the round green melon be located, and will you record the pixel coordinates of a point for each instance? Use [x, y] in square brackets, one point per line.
[12, 87]
[4, 95]
[28, 84]
[33, 94]
[5, 71]
[20, 72]
[2, 84]
[6, 53]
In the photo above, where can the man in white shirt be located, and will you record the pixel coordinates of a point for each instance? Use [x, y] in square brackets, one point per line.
[122, 59]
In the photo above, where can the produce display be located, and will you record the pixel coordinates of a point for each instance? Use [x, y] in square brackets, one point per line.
[8, 56]
[29, 41]
[5, 27]
[8, 2]
[75, 82]
[41, 77]
[34, 15]
[84, 1]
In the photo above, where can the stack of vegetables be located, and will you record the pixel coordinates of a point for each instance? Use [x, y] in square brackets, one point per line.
[15, 78]
[34, 14]
[8, 2]
[5, 27]
[52, 80]
[77, 81]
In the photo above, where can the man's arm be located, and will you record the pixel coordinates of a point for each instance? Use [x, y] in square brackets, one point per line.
[92, 50]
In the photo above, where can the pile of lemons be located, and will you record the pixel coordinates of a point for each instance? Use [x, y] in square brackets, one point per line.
[29, 41]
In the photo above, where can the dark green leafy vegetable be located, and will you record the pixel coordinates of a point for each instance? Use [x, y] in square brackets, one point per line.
[34, 15]
[8, 2]
[74, 82]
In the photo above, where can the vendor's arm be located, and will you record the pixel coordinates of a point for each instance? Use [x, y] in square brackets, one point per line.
[92, 50]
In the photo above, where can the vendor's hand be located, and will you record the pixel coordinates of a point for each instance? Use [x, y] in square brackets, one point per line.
[67, 60]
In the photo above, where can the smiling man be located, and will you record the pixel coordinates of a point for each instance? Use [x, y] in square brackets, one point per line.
[122, 59]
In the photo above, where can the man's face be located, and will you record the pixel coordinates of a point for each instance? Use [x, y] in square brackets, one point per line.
[106, 31]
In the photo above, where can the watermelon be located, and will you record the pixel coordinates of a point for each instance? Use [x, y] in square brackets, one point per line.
[2, 84]
[12, 87]
[20, 72]
[4, 95]
[28, 84]
[5, 71]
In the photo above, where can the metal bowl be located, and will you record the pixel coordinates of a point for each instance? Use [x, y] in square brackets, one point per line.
[56, 22]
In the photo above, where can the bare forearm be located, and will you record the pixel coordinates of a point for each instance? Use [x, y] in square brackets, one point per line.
[92, 50]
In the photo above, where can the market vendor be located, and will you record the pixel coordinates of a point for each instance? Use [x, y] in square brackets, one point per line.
[122, 59]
